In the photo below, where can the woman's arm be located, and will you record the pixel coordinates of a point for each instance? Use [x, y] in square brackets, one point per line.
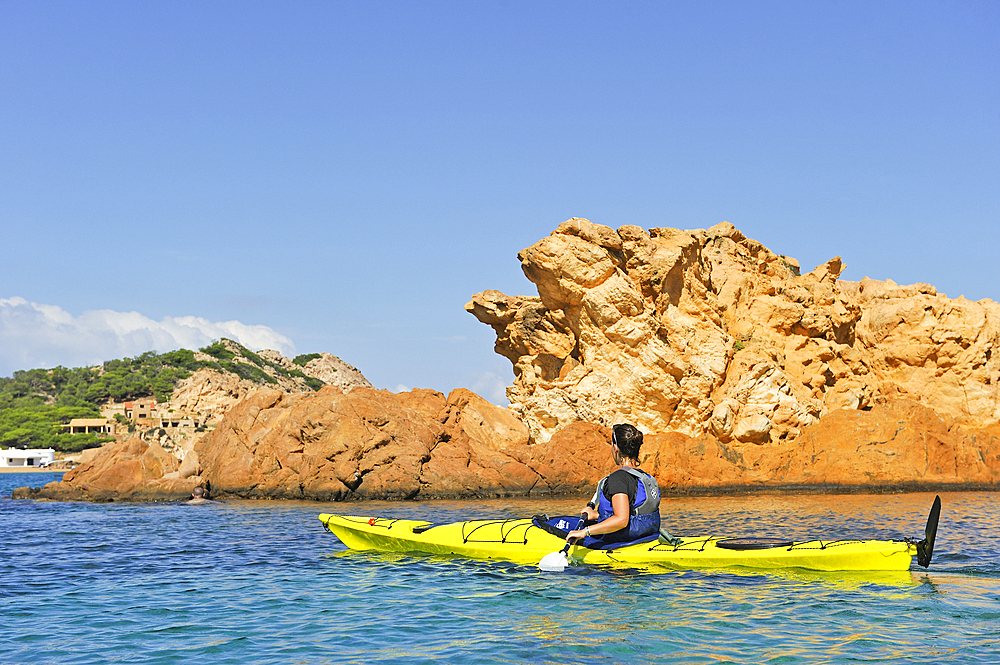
[618, 521]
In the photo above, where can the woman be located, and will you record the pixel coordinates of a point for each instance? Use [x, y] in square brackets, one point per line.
[627, 502]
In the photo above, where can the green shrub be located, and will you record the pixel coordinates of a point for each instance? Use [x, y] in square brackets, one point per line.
[218, 351]
[253, 357]
[245, 371]
[304, 358]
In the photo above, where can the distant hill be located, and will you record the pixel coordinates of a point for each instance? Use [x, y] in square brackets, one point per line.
[33, 403]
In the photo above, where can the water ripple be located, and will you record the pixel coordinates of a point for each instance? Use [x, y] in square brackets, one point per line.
[263, 583]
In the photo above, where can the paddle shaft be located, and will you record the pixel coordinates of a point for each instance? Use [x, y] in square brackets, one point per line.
[583, 518]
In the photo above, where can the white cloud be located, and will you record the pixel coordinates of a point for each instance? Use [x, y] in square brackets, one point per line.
[492, 387]
[33, 335]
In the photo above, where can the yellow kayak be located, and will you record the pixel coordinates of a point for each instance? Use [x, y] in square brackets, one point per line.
[527, 541]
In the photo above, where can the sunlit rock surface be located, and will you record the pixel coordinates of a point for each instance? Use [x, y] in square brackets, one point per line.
[367, 443]
[709, 332]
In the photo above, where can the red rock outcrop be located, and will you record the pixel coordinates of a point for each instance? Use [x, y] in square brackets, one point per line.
[335, 444]
[896, 445]
[368, 443]
[371, 444]
[132, 470]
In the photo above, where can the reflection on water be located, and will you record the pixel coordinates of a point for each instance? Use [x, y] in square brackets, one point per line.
[237, 582]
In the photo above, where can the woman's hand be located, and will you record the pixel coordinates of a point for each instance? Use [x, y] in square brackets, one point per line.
[588, 514]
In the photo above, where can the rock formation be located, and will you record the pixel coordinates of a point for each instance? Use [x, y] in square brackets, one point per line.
[368, 443]
[357, 444]
[210, 393]
[131, 470]
[333, 371]
[709, 332]
[896, 445]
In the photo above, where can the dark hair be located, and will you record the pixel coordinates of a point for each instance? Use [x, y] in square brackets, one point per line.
[628, 439]
[198, 492]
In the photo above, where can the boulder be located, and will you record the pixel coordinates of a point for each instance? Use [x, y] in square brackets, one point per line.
[132, 470]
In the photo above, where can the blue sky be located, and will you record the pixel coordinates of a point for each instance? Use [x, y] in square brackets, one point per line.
[343, 177]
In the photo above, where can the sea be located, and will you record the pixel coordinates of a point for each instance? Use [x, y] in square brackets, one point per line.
[263, 582]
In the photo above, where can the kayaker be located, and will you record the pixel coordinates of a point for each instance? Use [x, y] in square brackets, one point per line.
[626, 505]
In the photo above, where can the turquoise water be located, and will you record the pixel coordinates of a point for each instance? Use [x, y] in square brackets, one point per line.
[241, 582]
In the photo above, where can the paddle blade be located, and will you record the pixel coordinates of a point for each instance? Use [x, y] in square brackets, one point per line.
[554, 562]
[925, 548]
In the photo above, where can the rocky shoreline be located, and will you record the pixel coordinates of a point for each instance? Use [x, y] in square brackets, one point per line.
[370, 444]
[746, 375]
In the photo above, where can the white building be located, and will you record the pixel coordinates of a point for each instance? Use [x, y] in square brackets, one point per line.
[15, 457]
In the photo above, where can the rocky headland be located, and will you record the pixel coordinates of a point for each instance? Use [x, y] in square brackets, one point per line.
[745, 374]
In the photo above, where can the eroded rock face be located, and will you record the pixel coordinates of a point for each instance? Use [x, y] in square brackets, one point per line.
[372, 444]
[709, 332]
[210, 393]
[333, 371]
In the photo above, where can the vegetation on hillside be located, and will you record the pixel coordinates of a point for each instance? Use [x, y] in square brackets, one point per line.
[34, 403]
[303, 359]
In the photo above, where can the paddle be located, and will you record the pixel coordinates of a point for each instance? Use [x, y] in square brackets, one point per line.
[556, 562]
[925, 548]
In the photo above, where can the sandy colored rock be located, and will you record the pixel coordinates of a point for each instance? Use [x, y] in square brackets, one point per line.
[210, 394]
[707, 332]
[333, 371]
